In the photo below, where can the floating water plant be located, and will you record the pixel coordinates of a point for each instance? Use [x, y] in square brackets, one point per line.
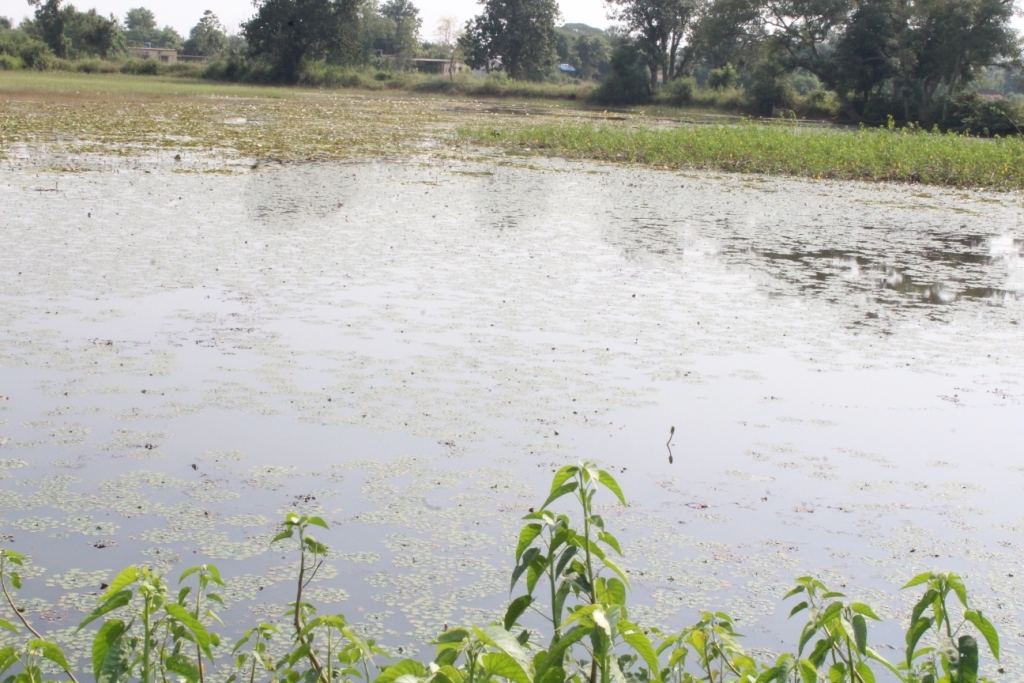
[151, 634]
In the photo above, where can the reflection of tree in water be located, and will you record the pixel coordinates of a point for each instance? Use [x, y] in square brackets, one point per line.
[844, 253]
[512, 200]
[288, 197]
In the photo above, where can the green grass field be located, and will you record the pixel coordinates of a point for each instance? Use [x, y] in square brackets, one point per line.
[127, 114]
[779, 149]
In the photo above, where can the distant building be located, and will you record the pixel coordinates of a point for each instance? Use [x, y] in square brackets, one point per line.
[161, 54]
[438, 66]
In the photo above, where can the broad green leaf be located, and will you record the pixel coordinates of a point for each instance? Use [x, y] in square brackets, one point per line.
[581, 613]
[516, 609]
[451, 673]
[611, 541]
[861, 608]
[504, 666]
[453, 635]
[183, 666]
[568, 639]
[611, 592]
[554, 674]
[865, 672]
[957, 584]
[609, 483]
[927, 600]
[126, 577]
[498, 637]
[50, 652]
[860, 632]
[799, 608]
[183, 616]
[115, 665]
[8, 658]
[406, 667]
[986, 629]
[526, 537]
[968, 666]
[914, 633]
[524, 564]
[808, 672]
[641, 644]
[563, 475]
[115, 601]
[559, 492]
[102, 642]
[918, 580]
[8, 625]
[317, 521]
[795, 591]
[615, 568]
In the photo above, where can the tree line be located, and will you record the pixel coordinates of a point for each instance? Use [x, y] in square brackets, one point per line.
[913, 60]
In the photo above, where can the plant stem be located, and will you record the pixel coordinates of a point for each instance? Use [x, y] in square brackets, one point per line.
[313, 659]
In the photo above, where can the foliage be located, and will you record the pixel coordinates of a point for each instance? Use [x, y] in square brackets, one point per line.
[518, 36]
[287, 32]
[629, 81]
[68, 33]
[660, 28]
[902, 155]
[207, 38]
[149, 633]
[140, 28]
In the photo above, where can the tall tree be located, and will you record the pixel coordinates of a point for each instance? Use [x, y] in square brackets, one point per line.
[660, 28]
[92, 33]
[207, 38]
[520, 34]
[140, 29]
[288, 31]
[447, 32]
[50, 25]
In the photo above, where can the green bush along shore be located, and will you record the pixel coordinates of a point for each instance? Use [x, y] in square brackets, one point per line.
[575, 628]
[886, 154]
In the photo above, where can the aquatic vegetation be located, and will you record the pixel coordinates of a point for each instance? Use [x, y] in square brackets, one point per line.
[904, 155]
[149, 633]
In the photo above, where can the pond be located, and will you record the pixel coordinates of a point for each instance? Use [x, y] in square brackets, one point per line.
[411, 347]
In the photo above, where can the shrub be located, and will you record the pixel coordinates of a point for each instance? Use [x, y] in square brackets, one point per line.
[629, 81]
[10, 63]
[141, 67]
[678, 92]
[971, 112]
[719, 79]
[96, 66]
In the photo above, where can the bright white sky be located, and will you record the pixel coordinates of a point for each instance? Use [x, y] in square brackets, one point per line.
[183, 14]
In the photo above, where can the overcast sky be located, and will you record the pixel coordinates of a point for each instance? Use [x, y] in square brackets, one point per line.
[183, 14]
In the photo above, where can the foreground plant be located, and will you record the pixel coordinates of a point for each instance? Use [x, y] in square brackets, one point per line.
[151, 634]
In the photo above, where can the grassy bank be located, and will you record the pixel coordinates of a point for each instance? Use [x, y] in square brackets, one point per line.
[868, 154]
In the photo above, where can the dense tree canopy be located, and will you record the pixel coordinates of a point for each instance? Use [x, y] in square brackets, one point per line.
[285, 32]
[207, 38]
[660, 28]
[140, 28]
[517, 34]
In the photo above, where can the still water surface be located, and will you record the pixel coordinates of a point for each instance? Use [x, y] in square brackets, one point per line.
[411, 350]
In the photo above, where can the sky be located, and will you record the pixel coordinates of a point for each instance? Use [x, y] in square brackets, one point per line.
[183, 14]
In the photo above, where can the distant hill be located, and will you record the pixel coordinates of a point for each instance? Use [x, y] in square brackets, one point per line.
[581, 29]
